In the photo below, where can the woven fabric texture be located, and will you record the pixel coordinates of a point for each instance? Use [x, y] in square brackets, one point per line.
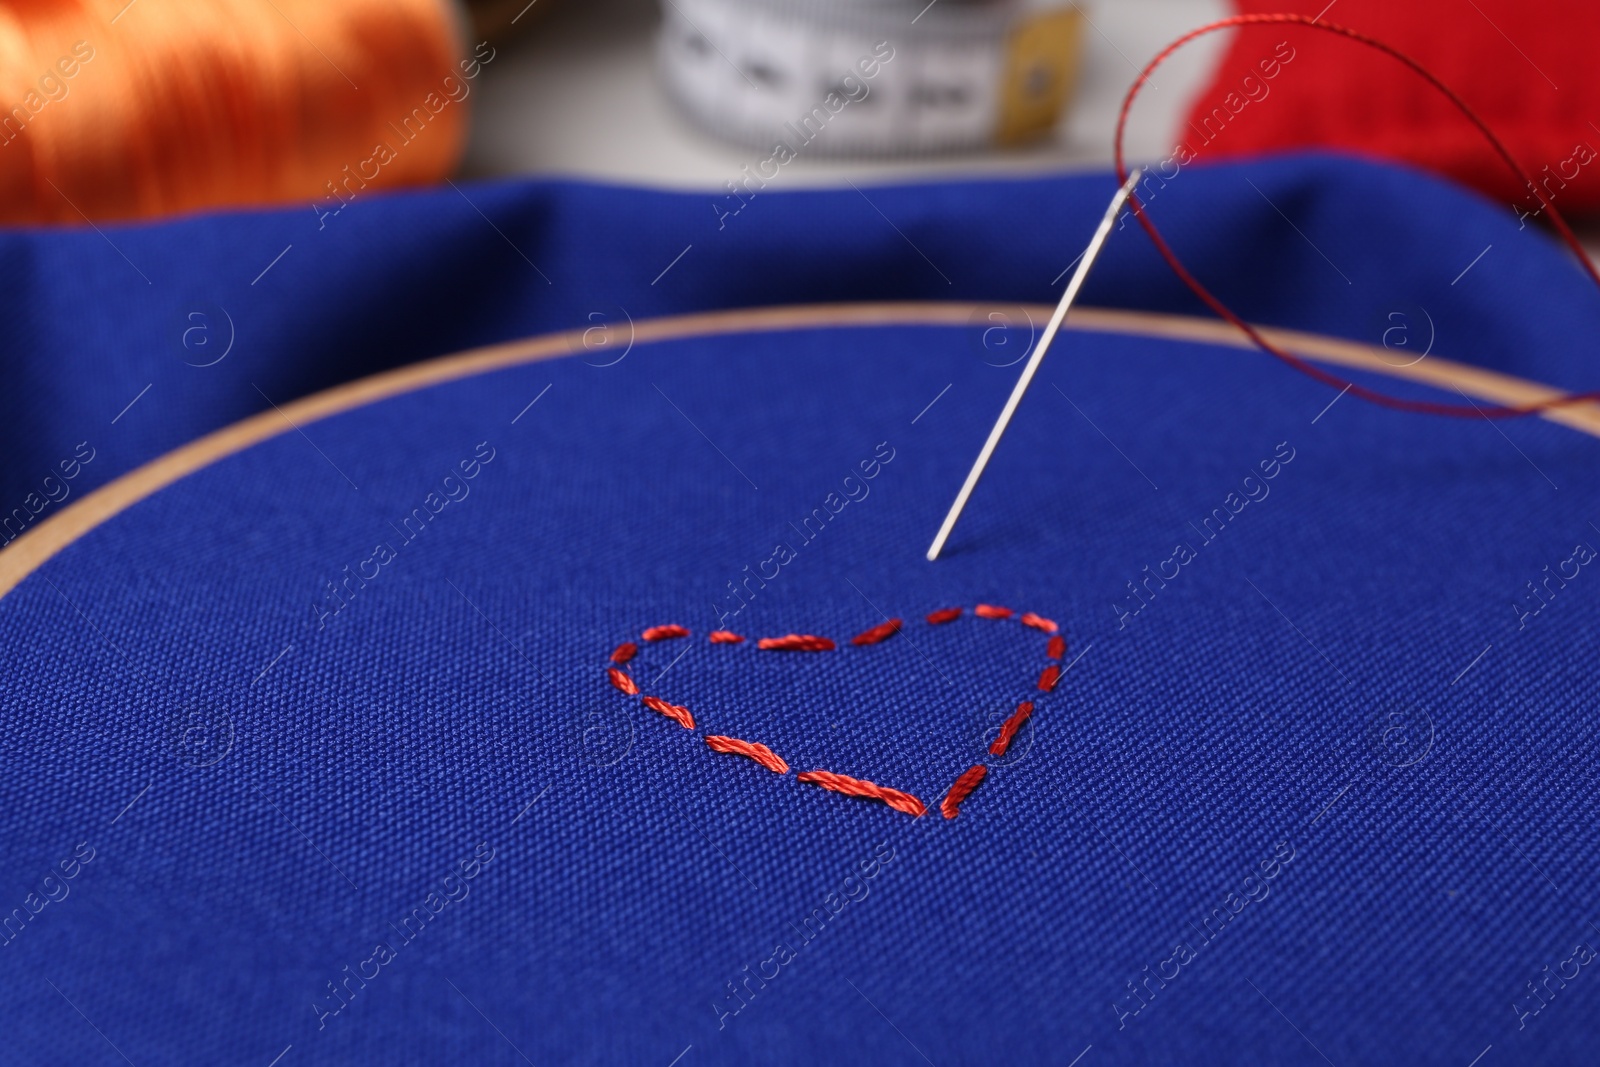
[1320, 787]
[1268, 758]
[309, 302]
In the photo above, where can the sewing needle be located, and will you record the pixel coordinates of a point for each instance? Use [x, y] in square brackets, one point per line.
[1096, 243]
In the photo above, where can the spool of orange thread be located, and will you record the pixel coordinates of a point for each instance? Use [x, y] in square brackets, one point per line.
[111, 109]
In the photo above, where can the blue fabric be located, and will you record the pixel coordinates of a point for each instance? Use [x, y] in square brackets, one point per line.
[92, 319]
[1331, 755]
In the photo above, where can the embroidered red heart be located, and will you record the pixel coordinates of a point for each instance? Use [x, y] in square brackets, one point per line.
[964, 783]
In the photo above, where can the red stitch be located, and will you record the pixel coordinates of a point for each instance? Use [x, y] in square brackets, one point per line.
[1039, 622]
[676, 712]
[796, 643]
[878, 633]
[760, 753]
[950, 806]
[855, 787]
[959, 791]
[1009, 728]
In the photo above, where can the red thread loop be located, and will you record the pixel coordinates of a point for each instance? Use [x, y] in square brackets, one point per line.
[1049, 677]
[796, 643]
[992, 611]
[950, 806]
[676, 712]
[725, 637]
[1382, 399]
[625, 651]
[944, 615]
[1039, 622]
[621, 680]
[878, 633]
[1057, 647]
[760, 753]
[1009, 728]
[855, 787]
[662, 633]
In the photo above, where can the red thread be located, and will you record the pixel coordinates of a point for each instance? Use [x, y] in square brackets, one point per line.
[796, 643]
[1039, 622]
[950, 806]
[676, 712]
[1382, 399]
[855, 787]
[760, 753]
[1009, 728]
[959, 791]
[878, 633]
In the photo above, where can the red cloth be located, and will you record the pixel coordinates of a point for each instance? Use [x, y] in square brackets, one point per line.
[1528, 69]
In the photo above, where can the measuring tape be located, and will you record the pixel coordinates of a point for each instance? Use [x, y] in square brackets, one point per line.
[871, 77]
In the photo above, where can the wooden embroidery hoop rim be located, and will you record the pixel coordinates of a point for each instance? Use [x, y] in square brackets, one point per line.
[39, 543]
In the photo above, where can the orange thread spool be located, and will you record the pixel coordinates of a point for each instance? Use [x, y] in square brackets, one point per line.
[110, 109]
